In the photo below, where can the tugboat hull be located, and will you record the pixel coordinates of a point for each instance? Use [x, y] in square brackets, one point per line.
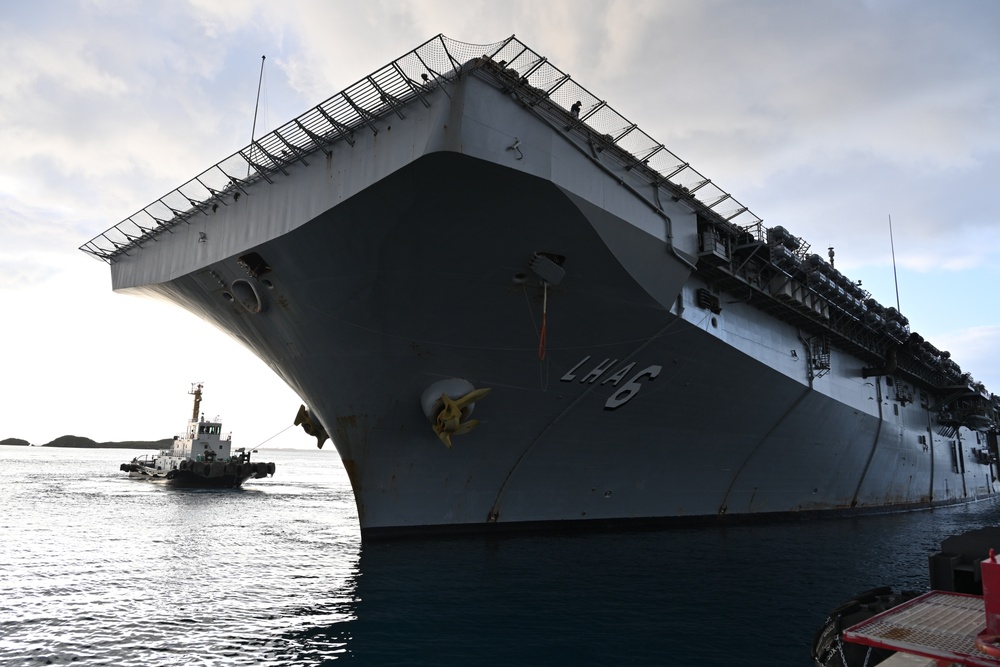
[198, 475]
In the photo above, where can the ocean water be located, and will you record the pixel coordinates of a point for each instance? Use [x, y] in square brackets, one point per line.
[97, 569]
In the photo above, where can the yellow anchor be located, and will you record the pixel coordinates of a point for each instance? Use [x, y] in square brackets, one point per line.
[311, 426]
[449, 419]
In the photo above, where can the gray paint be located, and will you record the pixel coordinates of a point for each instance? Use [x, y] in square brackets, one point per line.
[392, 267]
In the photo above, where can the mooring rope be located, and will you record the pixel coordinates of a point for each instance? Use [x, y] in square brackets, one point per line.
[254, 448]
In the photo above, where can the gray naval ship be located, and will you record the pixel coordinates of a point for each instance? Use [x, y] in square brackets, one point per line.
[509, 307]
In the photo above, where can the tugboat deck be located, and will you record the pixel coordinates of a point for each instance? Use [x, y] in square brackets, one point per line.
[939, 625]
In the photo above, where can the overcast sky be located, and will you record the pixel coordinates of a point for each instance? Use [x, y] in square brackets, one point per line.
[823, 117]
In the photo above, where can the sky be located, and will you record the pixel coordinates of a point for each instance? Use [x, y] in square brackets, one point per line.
[825, 117]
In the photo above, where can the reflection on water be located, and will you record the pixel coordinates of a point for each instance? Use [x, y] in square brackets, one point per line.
[560, 600]
[98, 569]
[753, 594]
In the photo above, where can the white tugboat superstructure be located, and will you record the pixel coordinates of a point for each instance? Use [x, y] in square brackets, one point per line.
[202, 457]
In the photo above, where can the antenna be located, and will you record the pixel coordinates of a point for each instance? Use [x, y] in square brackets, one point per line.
[253, 130]
[894, 278]
[196, 392]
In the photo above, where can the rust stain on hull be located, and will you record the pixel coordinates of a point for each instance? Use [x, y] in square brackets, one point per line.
[351, 434]
[352, 473]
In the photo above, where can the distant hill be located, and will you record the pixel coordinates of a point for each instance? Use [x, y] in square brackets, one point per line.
[81, 442]
[15, 441]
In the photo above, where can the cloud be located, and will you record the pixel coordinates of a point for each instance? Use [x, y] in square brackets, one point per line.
[823, 117]
[974, 349]
[774, 84]
[104, 109]
[21, 271]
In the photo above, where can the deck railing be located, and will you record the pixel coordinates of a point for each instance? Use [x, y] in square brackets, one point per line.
[387, 92]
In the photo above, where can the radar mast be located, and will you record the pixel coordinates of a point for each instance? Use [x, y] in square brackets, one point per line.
[196, 392]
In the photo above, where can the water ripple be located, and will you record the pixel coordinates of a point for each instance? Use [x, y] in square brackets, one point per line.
[101, 570]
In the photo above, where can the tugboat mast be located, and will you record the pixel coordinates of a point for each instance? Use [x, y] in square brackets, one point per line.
[196, 392]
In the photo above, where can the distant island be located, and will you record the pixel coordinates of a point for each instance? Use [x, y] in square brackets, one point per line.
[87, 443]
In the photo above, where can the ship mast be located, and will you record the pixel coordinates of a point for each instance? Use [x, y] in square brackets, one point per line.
[196, 392]
[894, 278]
[253, 130]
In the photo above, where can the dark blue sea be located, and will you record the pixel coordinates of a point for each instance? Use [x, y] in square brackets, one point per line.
[97, 569]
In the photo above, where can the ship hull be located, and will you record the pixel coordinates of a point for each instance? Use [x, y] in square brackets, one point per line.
[615, 396]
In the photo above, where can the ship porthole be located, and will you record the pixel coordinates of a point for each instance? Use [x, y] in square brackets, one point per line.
[267, 283]
[227, 296]
[247, 296]
[715, 323]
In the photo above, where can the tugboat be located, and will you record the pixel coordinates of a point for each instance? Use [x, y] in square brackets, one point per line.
[202, 457]
[956, 572]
